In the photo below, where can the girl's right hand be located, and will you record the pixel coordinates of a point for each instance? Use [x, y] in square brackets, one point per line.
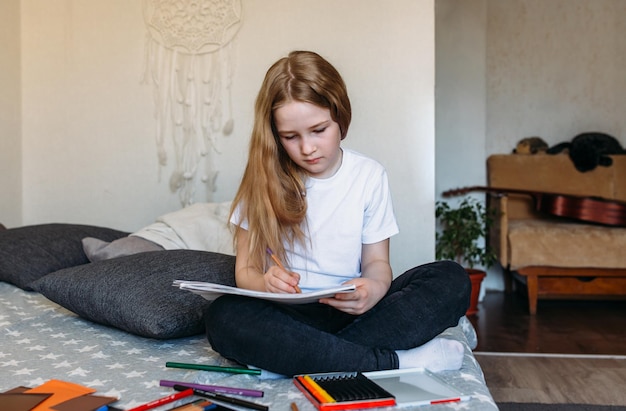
[278, 280]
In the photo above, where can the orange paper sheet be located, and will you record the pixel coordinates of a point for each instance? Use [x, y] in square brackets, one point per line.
[61, 391]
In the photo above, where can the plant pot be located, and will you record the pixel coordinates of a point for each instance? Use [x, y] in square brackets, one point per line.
[476, 277]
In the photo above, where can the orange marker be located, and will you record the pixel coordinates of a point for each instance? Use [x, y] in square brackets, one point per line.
[318, 392]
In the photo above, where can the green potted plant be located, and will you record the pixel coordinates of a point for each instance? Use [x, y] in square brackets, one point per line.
[459, 239]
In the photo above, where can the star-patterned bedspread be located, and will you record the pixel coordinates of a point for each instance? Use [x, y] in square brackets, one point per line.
[39, 341]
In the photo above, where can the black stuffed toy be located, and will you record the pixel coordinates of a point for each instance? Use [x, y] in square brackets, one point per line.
[589, 150]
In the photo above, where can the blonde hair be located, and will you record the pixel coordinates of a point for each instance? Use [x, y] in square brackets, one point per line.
[271, 196]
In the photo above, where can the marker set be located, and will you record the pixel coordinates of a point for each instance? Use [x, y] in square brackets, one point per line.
[342, 391]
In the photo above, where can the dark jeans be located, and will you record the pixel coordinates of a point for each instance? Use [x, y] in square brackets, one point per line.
[310, 338]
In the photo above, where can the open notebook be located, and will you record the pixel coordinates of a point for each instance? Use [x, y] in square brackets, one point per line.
[211, 291]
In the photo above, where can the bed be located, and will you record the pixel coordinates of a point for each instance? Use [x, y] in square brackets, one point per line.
[112, 325]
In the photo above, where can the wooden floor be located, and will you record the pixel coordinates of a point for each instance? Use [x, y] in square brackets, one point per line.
[566, 327]
[570, 352]
[554, 380]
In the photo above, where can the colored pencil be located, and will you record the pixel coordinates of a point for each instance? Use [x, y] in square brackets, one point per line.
[278, 263]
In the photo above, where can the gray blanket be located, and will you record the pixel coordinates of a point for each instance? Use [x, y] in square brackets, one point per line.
[40, 340]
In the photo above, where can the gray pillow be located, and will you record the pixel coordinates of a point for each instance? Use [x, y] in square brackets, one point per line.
[135, 293]
[30, 252]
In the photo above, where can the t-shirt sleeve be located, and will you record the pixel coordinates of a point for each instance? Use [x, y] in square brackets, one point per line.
[380, 221]
[236, 219]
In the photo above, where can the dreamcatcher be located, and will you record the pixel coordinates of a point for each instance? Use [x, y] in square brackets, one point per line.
[190, 62]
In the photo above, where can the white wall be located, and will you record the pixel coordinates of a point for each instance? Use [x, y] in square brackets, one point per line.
[10, 102]
[460, 93]
[555, 69]
[88, 127]
[460, 108]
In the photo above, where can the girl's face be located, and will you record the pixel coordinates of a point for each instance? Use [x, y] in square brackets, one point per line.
[310, 137]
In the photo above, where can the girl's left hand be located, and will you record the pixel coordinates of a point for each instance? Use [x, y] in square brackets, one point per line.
[367, 294]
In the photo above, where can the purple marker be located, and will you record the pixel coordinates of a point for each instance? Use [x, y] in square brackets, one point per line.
[214, 388]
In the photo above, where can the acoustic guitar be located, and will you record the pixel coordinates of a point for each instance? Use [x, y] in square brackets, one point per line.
[590, 209]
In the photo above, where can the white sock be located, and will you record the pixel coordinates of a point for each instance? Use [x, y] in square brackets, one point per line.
[439, 354]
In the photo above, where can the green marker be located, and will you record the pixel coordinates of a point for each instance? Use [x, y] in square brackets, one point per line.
[232, 370]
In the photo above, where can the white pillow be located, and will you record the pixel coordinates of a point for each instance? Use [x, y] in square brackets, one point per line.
[200, 226]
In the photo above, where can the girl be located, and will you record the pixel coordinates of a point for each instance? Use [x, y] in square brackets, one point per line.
[326, 212]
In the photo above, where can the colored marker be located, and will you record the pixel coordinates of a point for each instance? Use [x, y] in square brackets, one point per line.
[202, 367]
[223, 398]
[315, 389]
[187, 392]
[214, 388]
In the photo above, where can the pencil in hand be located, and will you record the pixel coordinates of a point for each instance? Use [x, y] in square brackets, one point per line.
[278, 263]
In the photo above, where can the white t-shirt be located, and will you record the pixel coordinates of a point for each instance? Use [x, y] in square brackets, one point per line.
[351, 208]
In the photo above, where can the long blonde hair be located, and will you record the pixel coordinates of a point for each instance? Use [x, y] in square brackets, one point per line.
[272, 194]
